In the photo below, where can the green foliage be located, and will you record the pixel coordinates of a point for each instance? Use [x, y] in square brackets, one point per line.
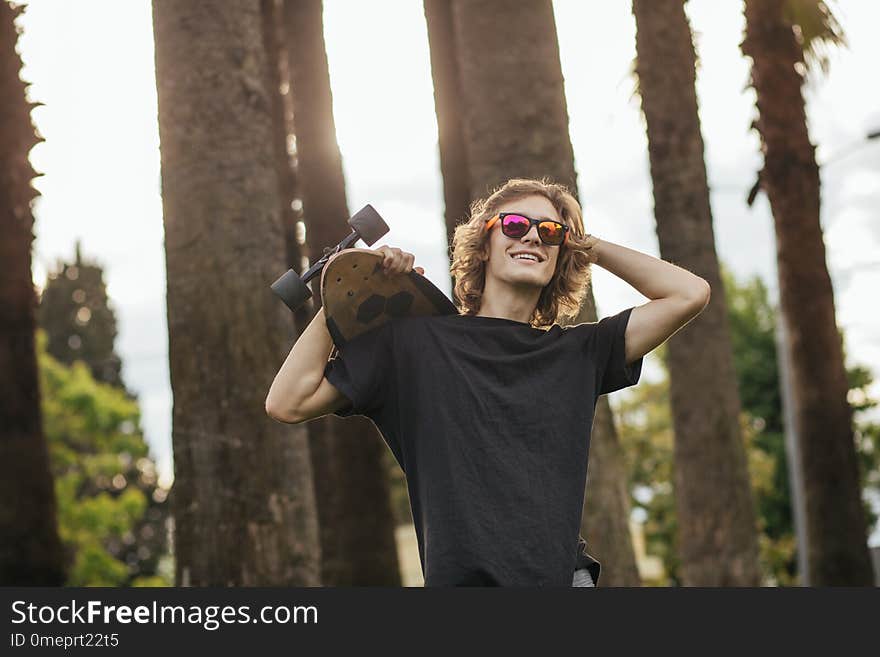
[867, 438]
[752, 322]
[110, 507]
[646, 435]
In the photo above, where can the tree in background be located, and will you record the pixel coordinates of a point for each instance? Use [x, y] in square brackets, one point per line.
[782, 38]
[351, 488]
[718, 541]
[243, 496]
[30, 552]
[647, 439]
[448, 102]
[78, 320]
[508, 108]
[284, 145]
[753, 330]
[111, 509]
[81, 417]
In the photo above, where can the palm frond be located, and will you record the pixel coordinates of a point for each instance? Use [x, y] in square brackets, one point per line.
[817, 29]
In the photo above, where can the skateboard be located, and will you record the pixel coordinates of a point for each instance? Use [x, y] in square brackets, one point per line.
[292, 288]
[358, 296]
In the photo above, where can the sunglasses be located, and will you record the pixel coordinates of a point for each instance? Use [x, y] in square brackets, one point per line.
[515, 225]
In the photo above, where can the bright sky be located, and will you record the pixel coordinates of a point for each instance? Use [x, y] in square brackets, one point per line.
[94, 72]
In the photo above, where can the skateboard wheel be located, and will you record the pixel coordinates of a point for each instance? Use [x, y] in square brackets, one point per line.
[368, 224]
[291, 289]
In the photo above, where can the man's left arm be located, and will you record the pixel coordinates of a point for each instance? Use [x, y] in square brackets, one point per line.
[677, 295]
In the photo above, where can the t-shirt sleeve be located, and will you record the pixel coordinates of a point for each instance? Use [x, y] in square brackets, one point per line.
[362, 370]
[612, 371]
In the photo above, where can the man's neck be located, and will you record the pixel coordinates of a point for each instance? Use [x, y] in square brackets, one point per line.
[508, 303]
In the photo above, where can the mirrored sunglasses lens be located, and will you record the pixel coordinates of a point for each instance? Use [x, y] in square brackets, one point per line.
[551, 232]
[515, 225]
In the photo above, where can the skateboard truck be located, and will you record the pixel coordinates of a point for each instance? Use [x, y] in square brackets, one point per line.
[366, 224]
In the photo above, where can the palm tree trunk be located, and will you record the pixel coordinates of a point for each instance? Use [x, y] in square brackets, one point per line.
[515, 124]
[243, 500]
[30, 552]
[282, 119]
[358, 546]
[447, 101]
[717, 530]
[836, 526]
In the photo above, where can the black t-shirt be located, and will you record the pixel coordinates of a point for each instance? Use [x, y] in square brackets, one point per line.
[490, 419]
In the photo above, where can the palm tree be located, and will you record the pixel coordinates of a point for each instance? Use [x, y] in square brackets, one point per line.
[717, 531]
[30, 552]
[282, 120]
[508, 105]
[447, 100]
[358, 544]
[782, 38]
[243, 499]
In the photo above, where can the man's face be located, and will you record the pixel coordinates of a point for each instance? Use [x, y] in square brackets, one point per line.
[500, 248]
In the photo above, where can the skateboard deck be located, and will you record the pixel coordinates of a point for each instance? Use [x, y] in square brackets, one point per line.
[358, 296]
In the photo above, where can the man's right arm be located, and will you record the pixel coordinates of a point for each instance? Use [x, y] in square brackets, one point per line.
[300, 390]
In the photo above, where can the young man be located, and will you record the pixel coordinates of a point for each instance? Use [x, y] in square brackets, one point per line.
[489, 412]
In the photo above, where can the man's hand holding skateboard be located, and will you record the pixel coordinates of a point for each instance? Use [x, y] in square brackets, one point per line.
[395, 261]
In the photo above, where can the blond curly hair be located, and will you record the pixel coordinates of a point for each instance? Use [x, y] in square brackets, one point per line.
[562, 297]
